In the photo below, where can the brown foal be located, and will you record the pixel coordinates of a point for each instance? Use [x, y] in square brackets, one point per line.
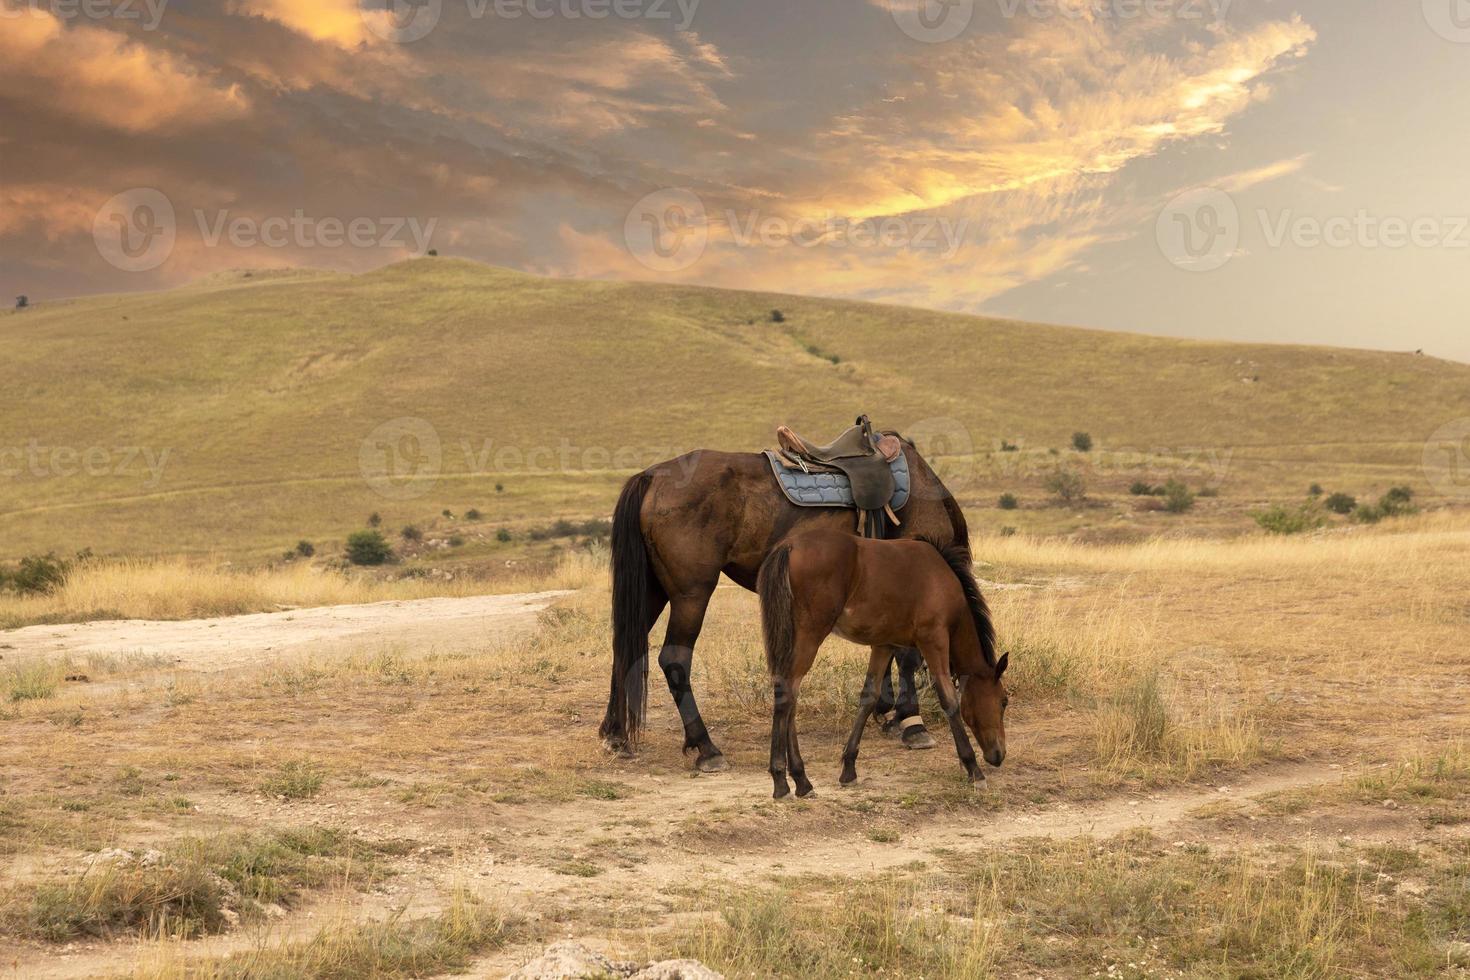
[880, 594]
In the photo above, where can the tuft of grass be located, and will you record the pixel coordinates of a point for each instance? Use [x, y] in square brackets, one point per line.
[193, 887]
[390, 948]
[295, 780]
[35, 680]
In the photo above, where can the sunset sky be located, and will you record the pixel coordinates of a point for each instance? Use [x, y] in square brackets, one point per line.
[1257, 169]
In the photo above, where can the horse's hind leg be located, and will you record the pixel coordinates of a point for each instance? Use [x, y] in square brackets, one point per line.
[780, 689]
[793, 750]
[901, 713]
[686, 617]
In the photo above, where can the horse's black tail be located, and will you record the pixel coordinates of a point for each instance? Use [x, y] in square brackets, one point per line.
[773, 585]
[632, 585]
[960, 563]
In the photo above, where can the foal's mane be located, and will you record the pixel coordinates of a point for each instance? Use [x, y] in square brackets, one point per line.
[958, 558]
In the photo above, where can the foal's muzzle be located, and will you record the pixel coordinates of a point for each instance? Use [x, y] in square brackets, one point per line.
[995, 757]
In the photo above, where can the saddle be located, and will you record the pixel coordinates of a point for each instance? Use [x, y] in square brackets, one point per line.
[866, 458]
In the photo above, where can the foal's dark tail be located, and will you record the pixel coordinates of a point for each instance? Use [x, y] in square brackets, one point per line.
[773, 585]
[632, 583]
[960, 563]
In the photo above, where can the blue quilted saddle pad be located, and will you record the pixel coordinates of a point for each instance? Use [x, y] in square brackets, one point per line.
[832, 489]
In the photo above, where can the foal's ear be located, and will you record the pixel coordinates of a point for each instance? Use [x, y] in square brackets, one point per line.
[1000, 666]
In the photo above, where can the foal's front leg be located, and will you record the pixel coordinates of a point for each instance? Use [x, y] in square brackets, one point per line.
[950, 702]
[878, 662]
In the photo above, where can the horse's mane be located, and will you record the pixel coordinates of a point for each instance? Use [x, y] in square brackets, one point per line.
[958, 558]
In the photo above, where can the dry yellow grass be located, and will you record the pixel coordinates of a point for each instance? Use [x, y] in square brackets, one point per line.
[179, 589]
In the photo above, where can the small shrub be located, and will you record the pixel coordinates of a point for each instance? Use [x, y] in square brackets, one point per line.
[411, 532]
[375, 519]
[294, 781]
[1208, 492]
[502, 535]
[1340, 503]
[1009, 447]
[778, 317]
[39, 574]
[1281, 519]
[1067, 484]
[305, 548]
[1397, 502]
[1007, 532]
[1140, 489]
[472, 514]
[21, 302]
[1315, 490]
[1008, 501]
[433, 253]
[368, 548]
[456, 541]
[1082, 442]
[446, 512]
[1368, 514]
[500, 488]
[1177, 497]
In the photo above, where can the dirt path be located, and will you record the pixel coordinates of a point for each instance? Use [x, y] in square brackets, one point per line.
[241, 641]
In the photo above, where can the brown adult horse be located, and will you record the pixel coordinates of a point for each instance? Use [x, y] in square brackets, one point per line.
[681, 523]
[881, 594]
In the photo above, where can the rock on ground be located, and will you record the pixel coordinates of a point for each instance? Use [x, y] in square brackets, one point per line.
[569, 960]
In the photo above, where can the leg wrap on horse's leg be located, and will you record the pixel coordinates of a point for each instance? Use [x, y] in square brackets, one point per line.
[906, 720]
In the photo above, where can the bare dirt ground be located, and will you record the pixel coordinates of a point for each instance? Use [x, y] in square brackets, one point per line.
[234, 642]
[456, 739]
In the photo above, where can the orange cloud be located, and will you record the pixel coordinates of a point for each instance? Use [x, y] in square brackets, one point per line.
[339, 22]
[99, 76]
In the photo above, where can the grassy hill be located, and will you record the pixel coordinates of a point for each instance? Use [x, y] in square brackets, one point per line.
[237, 415]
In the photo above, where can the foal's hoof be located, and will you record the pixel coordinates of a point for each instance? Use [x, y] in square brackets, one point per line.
[917, 737]
[712, 763]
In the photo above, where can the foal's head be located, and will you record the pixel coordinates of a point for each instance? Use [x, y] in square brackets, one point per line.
[983, 703]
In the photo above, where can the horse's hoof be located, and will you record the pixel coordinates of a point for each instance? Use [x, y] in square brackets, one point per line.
[780, 792]
[617, 747]
[918, 737]
[979, 785]
[847, 778]
[802, 794]
[712, 763]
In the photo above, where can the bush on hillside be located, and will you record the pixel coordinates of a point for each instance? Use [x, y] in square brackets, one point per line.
[1281, 519]
[502, 535]
[1067, 484]
[368, 548]
[1315, 490]
[472, 514]
[39, 574]
[1082, 442]
[375, 519]
[411, 532]
[1177, 497]
[1341, 503]
[1008, 501]
[1140, 489]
